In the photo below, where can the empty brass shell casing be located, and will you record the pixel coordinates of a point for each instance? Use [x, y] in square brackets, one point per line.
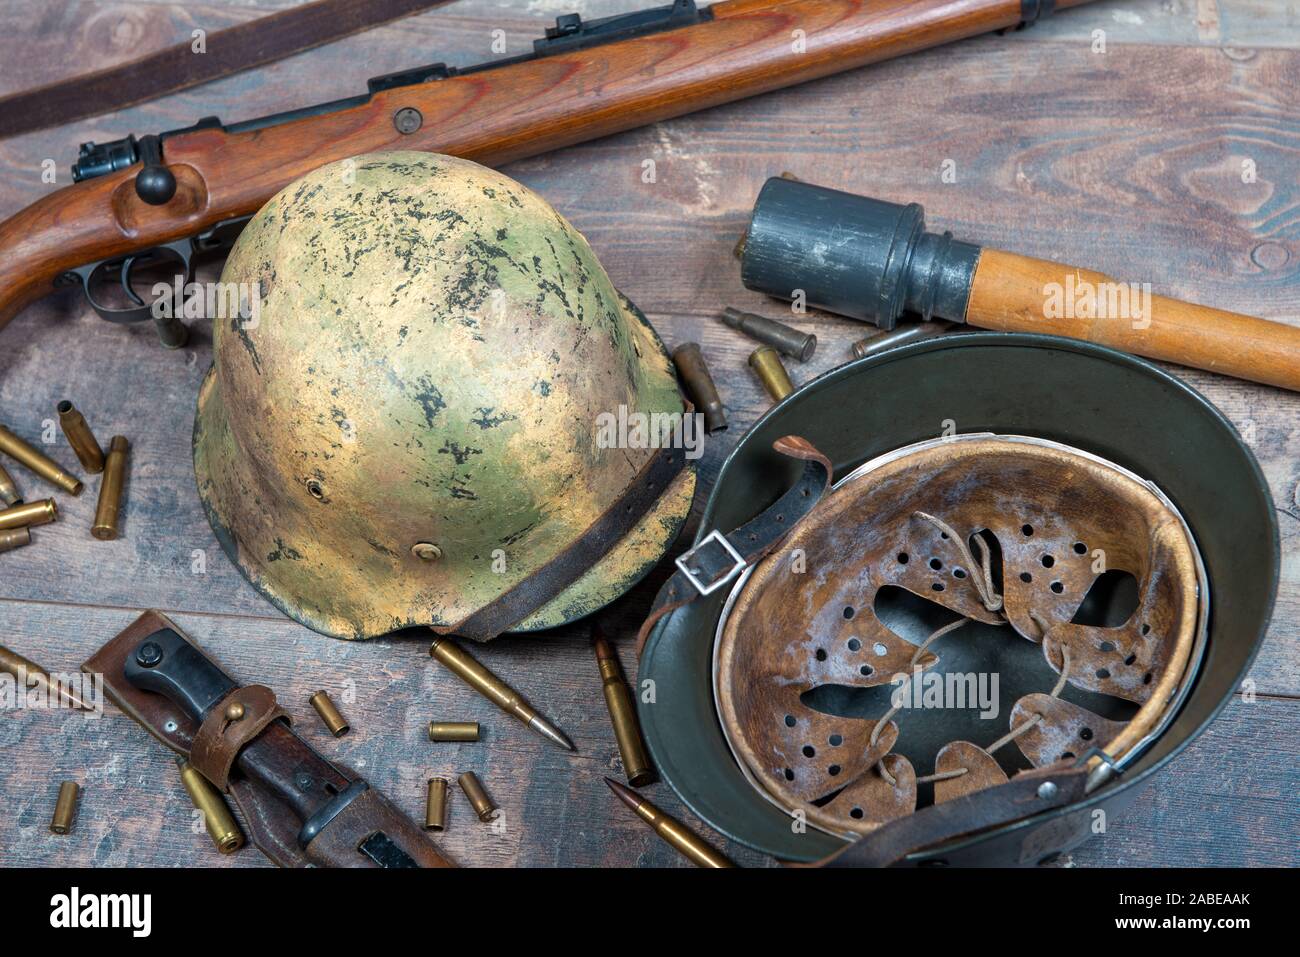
[110, 490]
[40, 463]
[79, 436]
[435, 806]
[453, 730]
[333, 719]
[478, 798]
[65, 809]
[699, 383]
[9, 494]
[28, 514]
[622, 713]
[12, 538]
[766, 363]
[218, 820]
[796, 344]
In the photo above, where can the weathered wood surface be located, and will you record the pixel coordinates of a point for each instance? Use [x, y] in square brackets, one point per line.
[1128, 161]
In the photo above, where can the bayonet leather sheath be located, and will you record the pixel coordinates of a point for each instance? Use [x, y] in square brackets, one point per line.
[300, 809]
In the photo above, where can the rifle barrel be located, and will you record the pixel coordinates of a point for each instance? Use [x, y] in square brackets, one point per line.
[492, 116]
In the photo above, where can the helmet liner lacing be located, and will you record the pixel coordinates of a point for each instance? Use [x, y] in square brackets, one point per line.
[991, 600]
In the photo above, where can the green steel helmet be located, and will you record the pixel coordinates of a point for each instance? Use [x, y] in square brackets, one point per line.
[411, 427]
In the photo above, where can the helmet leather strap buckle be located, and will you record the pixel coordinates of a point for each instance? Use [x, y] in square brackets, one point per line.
[702, 564]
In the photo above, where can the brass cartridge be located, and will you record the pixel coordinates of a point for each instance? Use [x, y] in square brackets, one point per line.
[29, 673]
[792, 342]
[435, 806]
[697, 850]
[699, 383]
[218, 820]
[110, 490]
[330, 714]
[453, 731]
[9, 494]
[478, 797]
[29, 514]
[40, 463]
[12, 538]
[901, 335]
[466, 667]
[766, 363]
[622, 713]
[79, 436]
[65, 809]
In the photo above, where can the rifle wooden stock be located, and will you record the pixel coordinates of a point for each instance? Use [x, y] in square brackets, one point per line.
[493, 117]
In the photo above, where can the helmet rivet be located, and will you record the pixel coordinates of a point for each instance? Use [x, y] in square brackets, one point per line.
[315, 489]
[1047, 790]
[426, 551]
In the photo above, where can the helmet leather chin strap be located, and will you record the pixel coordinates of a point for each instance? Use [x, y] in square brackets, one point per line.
[576, 558]
[716, 558]
[1030, 792]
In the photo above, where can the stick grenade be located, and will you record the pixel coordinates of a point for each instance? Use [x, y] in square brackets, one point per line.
[884, 263]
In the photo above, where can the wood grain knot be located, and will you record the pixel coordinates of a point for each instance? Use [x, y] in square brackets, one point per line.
[1270, 255]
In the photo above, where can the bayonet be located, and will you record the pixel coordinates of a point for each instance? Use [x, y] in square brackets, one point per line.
[301, 809]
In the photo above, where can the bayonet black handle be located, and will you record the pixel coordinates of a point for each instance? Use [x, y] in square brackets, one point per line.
[167, 664]
[299, 807]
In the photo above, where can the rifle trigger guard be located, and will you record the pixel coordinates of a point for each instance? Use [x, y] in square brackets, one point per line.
[94, 276]
[124, 277]
[171, 330]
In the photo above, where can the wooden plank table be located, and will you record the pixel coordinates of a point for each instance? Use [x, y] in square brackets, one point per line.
[1129, 160]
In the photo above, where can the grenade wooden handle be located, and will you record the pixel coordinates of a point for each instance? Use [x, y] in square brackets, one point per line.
[1014, 293]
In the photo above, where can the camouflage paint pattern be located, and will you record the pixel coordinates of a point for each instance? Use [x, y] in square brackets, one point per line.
[434, 347]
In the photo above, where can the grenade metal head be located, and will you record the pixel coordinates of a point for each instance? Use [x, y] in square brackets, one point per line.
[865, 258]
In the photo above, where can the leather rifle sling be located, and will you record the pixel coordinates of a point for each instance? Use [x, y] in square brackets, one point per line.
[232, 50]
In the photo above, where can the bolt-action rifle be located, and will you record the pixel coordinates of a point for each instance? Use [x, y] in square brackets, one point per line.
[184, 193]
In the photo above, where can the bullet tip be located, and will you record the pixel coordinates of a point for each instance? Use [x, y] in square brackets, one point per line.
[623, 793]
[551, 732]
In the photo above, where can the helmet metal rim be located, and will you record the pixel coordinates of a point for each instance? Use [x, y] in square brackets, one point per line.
[1145, 401]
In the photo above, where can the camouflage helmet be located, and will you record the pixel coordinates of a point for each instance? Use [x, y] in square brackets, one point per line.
[406, 431]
